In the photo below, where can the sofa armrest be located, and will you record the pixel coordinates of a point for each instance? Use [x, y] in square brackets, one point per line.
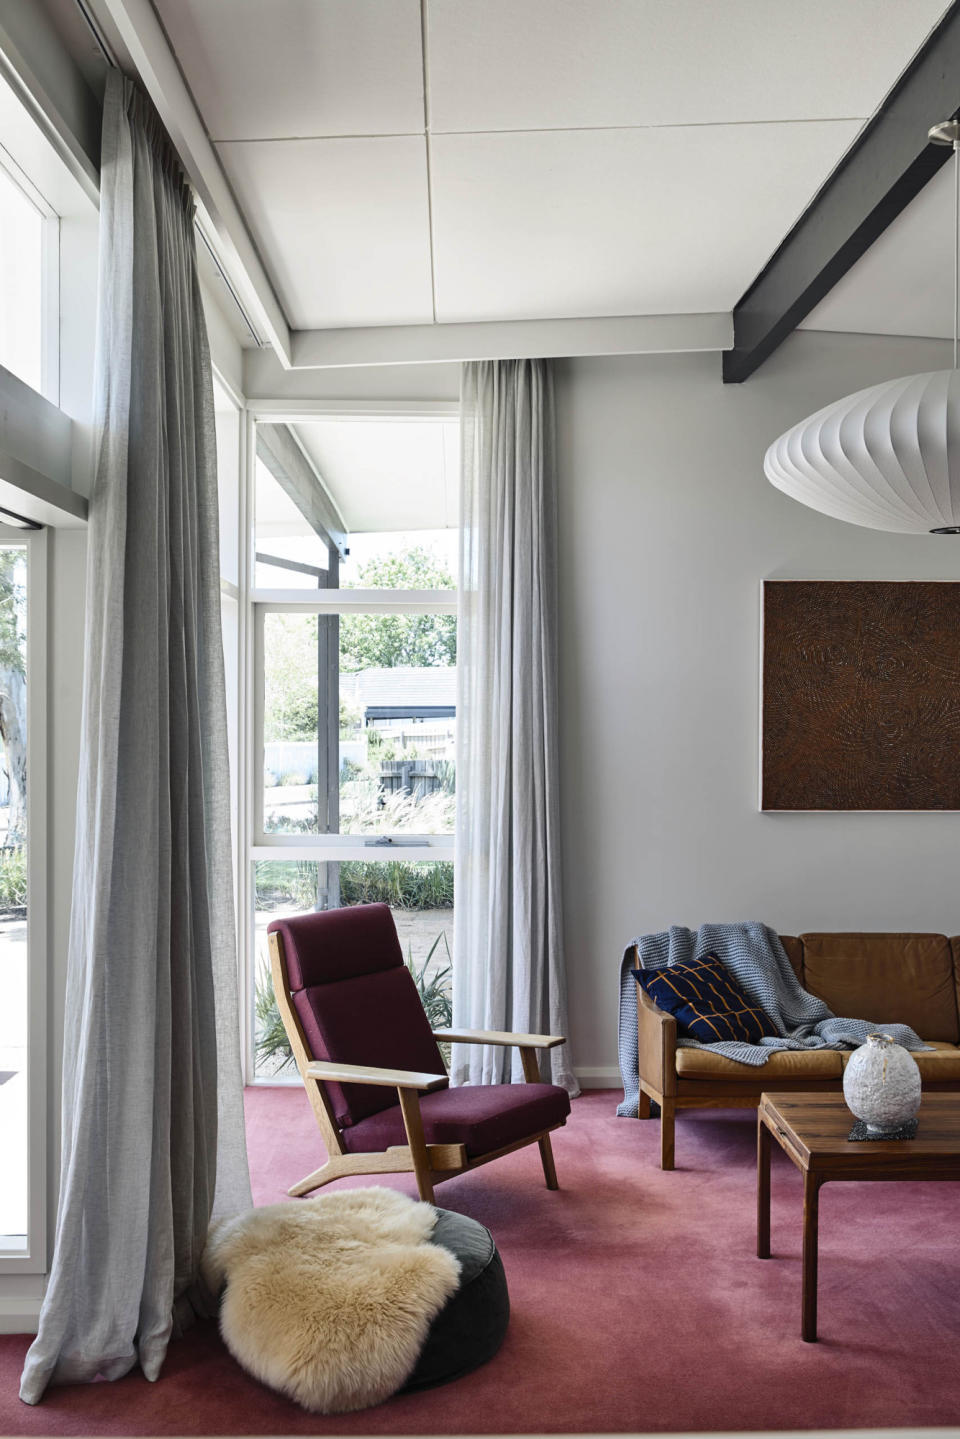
[657, 1036]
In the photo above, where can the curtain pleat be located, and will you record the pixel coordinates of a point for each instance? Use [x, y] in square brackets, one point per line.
[152, 1119]
[508, 930]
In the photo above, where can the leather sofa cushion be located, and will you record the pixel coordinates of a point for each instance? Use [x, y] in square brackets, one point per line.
[794, 951]
[782, 1064]
[942, 1066]
[885, 979]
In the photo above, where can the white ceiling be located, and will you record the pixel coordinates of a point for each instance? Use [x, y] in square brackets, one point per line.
[564, 158]
[903, 285]
[388, 474]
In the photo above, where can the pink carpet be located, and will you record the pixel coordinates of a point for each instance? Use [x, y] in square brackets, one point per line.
[637, 1301]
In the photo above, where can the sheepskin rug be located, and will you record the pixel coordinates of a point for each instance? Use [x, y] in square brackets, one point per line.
[329, 1300]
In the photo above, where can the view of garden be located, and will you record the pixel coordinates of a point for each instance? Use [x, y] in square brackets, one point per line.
[13, 887]
[396, 768]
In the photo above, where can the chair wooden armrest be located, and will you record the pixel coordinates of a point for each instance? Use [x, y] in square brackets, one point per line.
[365, 1074]
[499, 1036]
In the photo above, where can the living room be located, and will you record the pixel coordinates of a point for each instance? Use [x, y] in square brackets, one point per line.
[593, 188]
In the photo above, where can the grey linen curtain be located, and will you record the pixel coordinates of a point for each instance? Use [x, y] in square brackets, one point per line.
[508, 932]
[153, 1140]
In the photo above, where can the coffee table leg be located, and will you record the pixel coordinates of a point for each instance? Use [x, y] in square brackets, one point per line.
[763, 1190]
[811, 1204]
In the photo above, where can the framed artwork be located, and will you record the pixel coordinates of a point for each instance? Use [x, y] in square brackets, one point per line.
[860, 695]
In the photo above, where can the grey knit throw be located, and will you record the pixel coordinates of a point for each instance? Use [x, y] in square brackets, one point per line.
[758, 962]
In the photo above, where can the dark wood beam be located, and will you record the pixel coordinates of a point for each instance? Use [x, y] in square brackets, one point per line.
[290, 467]
[885, 168]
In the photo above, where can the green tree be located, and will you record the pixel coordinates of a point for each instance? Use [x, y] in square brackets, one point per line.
[385, 641]
[290, 677]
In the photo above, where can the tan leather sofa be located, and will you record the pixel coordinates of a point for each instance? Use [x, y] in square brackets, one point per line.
[884, 978]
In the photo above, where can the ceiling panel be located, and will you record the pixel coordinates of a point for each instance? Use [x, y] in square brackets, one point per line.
[342, 225]
[903, 285]
[388, 474]
[606, 222]
[532, 64]
[261, 69]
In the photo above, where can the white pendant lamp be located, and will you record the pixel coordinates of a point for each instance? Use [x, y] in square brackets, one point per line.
[887, 457]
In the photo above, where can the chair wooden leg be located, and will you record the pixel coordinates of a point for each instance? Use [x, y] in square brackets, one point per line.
[413, 1122]
[667, 1114]
[643, 1106]
[546, 1159]
[319, 1177]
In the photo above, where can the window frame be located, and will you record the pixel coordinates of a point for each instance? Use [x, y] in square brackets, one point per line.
[49, 277]
[33, 1260]
[323, 848]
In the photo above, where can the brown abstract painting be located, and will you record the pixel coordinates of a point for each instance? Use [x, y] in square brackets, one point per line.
[861, 695]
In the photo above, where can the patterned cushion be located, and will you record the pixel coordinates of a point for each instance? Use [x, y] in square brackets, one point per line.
[705, 1001]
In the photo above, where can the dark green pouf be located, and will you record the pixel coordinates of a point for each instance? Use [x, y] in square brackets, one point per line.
[470, 1327]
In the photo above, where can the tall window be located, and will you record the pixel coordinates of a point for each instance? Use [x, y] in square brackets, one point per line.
[355, 686]
[21, 959]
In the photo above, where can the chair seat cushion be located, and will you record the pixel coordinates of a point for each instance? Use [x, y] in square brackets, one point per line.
[483, 1117]
[471, 1325]
[782, 1064]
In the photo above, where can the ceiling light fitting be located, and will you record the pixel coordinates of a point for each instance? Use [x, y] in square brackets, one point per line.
[887, 457]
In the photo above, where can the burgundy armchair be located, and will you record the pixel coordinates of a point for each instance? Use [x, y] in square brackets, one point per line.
[372, 1068]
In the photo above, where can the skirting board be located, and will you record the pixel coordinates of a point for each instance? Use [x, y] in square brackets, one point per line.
[19, 1314]
[603, 1076]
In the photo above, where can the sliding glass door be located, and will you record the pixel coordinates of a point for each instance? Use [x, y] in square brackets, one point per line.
[22, 907]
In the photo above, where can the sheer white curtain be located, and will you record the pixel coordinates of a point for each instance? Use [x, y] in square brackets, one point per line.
[508, 931]
[153, 1138]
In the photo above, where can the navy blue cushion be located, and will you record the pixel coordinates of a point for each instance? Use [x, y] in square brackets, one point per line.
[706, 1002]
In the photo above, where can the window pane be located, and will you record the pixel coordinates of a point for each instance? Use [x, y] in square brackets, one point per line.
[21, 284]
[227, 418]
[392, 681]
[395, 482]
[283, 533]
[420, 895]
[13, 898]
[401, 560]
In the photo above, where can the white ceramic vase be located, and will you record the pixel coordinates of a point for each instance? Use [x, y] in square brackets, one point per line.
[881, 1084]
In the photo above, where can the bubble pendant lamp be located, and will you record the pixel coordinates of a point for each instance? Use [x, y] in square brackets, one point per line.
[887, 457]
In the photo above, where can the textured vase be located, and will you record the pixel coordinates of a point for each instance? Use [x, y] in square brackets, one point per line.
[881, 1084]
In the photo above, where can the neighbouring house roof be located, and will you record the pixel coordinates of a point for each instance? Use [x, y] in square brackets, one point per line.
[407, 687]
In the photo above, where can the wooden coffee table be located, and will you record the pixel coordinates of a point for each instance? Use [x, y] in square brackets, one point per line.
[813, 1130]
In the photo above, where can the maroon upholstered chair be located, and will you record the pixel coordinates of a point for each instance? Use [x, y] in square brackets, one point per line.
[372, 1068]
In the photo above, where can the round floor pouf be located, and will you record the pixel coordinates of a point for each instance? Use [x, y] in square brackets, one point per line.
[470, 1327]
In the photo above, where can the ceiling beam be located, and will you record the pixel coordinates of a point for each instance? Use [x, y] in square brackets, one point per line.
[509, 340]
[298, 478]
[885, 168]
[144, 39]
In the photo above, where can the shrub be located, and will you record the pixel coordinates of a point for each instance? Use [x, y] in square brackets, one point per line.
[419, 884]
[13, 878]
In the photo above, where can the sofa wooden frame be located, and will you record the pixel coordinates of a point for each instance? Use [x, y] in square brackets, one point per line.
[661, 1082]
[431, 1163]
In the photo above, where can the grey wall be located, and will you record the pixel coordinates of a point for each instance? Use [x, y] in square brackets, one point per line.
[667, 528]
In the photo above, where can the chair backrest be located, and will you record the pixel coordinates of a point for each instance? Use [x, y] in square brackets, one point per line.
[356, 1000]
